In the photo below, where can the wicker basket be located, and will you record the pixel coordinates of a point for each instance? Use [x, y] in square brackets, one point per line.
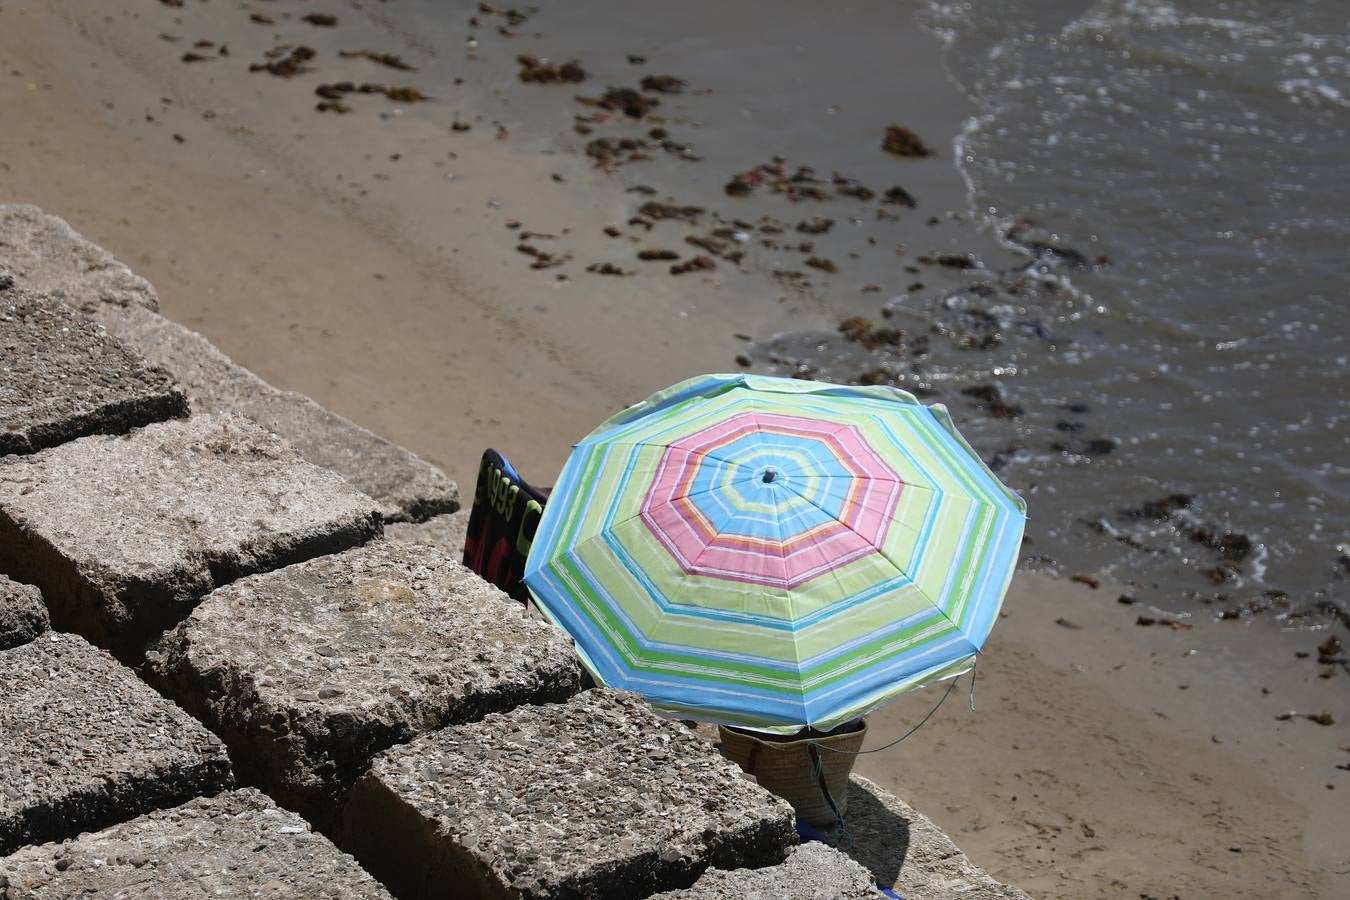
[786, 768]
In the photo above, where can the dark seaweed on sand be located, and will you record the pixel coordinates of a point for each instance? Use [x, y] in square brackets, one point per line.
[664, 84]
[698, 263]
[626, 100]
[384, 59]
[285, 61]
[606, 268]
[534, 70]
[900, 141]
[655, 210]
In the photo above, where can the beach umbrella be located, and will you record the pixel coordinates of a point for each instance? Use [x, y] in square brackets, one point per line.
[774, 553]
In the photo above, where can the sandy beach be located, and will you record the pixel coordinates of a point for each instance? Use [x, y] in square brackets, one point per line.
[1103, 759]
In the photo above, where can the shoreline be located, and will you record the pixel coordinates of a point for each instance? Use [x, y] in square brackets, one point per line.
[284, 281]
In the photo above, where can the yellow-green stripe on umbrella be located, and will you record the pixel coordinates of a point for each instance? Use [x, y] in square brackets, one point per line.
[774, 553]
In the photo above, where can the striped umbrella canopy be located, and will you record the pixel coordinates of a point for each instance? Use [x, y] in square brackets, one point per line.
[775, 553]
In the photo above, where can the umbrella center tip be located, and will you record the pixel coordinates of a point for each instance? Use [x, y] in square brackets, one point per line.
[770, 476]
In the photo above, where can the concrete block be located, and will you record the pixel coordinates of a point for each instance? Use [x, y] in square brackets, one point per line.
[407, 487]
[596, 798]
[212, 380]
[84, 743]
[124, 535]
[904, 850]
[446, 532]
[63, 377]
[237, 844]
[812, 872]
[48, 255]
[309, 671]
[23, 615]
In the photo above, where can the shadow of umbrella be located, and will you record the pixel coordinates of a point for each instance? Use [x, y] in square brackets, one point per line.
[878, 838]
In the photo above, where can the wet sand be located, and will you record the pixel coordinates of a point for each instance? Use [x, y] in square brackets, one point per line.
[1126, 784]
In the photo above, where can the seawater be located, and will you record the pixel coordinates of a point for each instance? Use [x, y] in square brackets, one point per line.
[1201, 147]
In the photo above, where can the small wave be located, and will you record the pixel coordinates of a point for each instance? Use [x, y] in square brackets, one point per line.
[1154, 15]
[945, 20]
[1002, 225]
[1258, 564]
[1110, 14]
[1300, 89]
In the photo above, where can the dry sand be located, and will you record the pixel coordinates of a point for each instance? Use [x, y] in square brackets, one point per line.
[1087, 771]
[1106, 759]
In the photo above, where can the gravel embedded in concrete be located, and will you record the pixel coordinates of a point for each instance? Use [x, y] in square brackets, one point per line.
[308, 671]
[812, 872]
[23, 614]
[63, 377]
[124, 535]
[406, 487]
[84, 743]
[237, 844]
[46, 254]
[904, 850]
[596, 798]
[446, 532]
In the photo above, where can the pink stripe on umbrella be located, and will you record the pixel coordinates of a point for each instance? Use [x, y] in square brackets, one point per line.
[692, 541]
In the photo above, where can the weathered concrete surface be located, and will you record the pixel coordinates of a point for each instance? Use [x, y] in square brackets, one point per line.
[407, 487]
[212, 380]
[446, 532]
[124, 535]
[23, 615]
[84, 743]
[238, 844]
[812, 872]
[906, 851]
[596, 798]
[48, 255]
[63, 377]
[309, 671]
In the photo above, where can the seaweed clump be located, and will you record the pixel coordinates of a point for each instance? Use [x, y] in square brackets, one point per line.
[534, 70]
[900, 141]
[384, 59]
[285, 61]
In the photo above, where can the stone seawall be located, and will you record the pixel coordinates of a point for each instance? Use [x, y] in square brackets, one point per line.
[221, 674]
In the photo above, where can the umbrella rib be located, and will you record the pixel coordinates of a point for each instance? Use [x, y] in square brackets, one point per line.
[894, 565]
[908, 485]
[610, 526]
[796, 643]
[687, 577]
[695, 561]
[723, 459]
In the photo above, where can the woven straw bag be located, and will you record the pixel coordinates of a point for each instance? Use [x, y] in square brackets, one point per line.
[787, 768]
